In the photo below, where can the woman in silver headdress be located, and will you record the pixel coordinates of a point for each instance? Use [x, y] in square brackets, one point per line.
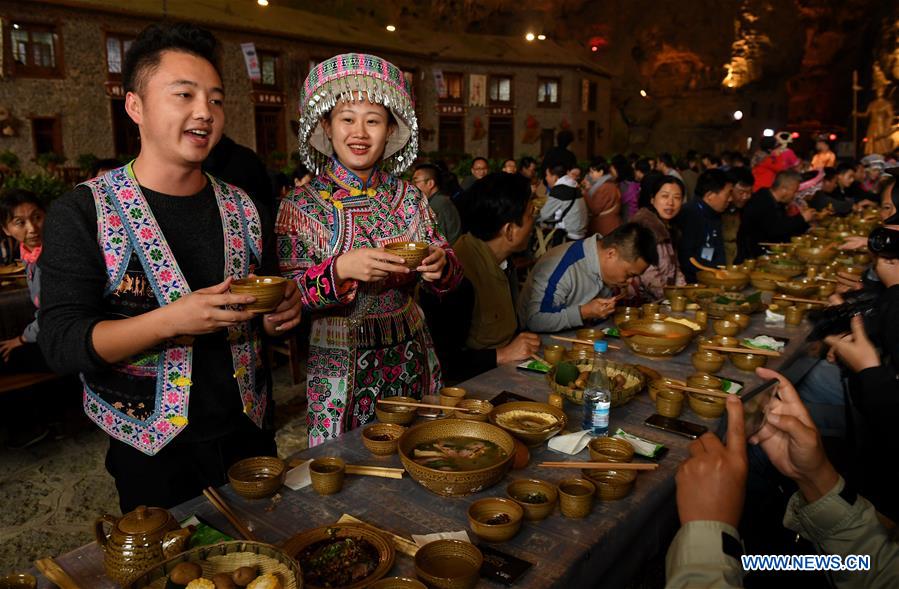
[369, 339]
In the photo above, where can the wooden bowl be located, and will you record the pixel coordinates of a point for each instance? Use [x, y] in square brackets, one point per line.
[764, 280]
[725, 327]
[480, 409]
[707, 360]
[741, 319]
[455, 483]
[748, 362]
[413, 252]
[532, 423]
[662, 384]
[481, 511]
[706, 406]
[612, 484]
[658, 344]
[386, 554]
[703, 380]
[672, 291]
[398, 583]
[669, 402]
[449, 564]
[815, 254]
[605, 449]
[785, 268]
[726, 341]
[724, 279]
[327, 475]
[694, 294]
[720, 305]
[398, 414]
[798, 288]
[576, 497]
[520, 489]
[268, 290]
[257, 477]
[382, 447]
[589, 333]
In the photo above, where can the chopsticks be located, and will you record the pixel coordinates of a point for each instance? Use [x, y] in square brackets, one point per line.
[55, 573]
[425, 405]
[601, 465]
[375, 471]
[822, 279]
[746, 350]
[768, 243]
[710, 393]
[361, 469]
[583, 342]
[539, 359]
[405, 546]
[799, 300]
[222, 507]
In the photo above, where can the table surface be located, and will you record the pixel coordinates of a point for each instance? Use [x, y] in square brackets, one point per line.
[607, 547]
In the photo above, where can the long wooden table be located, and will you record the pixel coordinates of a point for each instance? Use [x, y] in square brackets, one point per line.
[606, 548]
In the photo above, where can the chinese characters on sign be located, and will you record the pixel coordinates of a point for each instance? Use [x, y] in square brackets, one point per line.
[252, 61]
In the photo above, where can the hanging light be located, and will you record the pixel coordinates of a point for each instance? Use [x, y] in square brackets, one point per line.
[530, 37]
[390, 28]
[262, 2]
[768, 133]
[738, 114]
[643, 93]
[541, 37]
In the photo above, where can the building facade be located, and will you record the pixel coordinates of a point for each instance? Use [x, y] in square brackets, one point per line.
[61, 89]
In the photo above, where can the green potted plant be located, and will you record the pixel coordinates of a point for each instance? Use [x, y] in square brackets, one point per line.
[49, 161]
[9, 160]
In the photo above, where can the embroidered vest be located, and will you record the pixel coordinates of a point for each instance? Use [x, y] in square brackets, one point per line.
[143, 401]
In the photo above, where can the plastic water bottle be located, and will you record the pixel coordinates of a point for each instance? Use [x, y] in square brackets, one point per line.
[597, 393]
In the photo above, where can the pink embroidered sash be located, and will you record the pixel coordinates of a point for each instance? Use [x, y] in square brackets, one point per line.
[126, 225]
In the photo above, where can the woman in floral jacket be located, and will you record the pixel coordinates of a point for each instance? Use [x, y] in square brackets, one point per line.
[369, 339]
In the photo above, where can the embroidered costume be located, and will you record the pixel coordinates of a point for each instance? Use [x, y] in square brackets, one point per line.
[143, 402]
[368, 340]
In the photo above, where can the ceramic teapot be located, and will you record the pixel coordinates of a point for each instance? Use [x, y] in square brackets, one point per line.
[137, 541]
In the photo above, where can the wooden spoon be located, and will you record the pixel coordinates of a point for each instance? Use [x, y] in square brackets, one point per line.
[719, 274]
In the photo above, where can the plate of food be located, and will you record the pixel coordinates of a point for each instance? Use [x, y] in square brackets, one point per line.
[344, 556]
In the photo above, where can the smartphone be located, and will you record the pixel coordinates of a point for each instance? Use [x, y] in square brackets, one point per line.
[506, 397]
[676, 426]
[755, 406]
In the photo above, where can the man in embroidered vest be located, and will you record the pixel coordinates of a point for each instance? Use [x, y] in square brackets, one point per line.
[138, 265]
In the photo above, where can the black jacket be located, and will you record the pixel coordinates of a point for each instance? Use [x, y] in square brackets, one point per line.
[874, 403]
[240, 166]
[765, 220]
[701, 233]
[821, 200]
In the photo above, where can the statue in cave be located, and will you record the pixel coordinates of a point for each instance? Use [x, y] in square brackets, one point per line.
[880, 124]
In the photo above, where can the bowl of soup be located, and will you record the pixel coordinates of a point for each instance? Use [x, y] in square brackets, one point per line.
[454, 457]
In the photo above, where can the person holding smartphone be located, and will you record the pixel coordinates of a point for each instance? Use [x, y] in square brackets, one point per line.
[825, 510]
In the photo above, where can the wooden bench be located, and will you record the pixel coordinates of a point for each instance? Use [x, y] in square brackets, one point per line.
[16, 382]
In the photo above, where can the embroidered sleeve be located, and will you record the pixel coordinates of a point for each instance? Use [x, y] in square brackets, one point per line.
[298, 261]
[427, 230]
